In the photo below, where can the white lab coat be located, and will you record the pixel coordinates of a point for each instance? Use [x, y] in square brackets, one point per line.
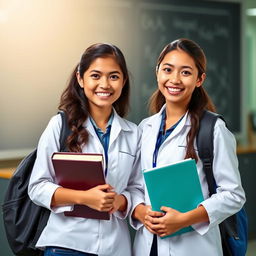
[100, 237]
[230, 197]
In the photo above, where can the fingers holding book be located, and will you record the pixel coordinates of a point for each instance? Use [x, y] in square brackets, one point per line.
[171, 221]
[100, 198]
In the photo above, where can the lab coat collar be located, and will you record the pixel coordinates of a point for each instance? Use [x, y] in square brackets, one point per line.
[118, 124]
[155, 121]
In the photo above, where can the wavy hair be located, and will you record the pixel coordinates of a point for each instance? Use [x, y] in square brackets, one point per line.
[200, 100]
[74, 102]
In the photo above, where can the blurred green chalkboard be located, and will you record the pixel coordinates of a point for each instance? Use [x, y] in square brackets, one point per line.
[215, 26]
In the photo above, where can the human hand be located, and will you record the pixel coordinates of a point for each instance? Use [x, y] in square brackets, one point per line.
[169, 223]
[142, 211]
[100, 198]
[119, 204]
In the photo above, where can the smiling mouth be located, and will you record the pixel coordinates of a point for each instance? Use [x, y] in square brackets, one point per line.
[174, 89]
[103, 94]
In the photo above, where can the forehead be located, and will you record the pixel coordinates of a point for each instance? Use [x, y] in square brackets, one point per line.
[105, 63]
[178, 58]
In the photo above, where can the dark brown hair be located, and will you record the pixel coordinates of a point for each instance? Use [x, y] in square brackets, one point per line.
[200, 100]
[74, 102]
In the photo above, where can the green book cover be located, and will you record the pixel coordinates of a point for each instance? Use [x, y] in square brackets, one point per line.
[175, 185]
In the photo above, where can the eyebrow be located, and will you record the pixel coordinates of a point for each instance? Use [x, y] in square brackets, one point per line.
[112, 72]
[170, 65]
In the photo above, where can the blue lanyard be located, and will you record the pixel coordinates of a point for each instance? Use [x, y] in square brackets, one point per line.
[162, 136]
[158, 144]
[104, 138]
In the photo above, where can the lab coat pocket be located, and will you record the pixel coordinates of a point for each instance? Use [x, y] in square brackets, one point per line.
[125, 166]
[184, 147]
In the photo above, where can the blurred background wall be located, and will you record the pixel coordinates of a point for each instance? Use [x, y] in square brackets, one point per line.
[41, 41]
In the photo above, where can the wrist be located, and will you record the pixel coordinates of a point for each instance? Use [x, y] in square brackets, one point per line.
[81, 197]
[186, 219]
[139, 212]
[194, 216]
[122, 203]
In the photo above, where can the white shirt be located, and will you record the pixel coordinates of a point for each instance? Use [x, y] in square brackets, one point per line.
[100, 237]
[229, 199]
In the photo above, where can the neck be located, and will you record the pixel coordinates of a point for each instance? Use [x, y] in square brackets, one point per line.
[101, 117]
[173, 114]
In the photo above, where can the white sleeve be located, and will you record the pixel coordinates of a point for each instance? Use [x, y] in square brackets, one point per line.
[138, 194]
[42, 181]
[230, 196]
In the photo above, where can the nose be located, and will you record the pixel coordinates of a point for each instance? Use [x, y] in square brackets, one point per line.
[175, 78]
[104, 83]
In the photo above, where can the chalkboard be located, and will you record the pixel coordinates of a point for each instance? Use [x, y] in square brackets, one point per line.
[215, 26]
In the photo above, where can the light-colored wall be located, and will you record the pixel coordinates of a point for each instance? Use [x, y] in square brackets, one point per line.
[42, 40]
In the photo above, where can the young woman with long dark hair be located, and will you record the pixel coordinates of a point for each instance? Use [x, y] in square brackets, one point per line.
[95, 102]
[170, 136]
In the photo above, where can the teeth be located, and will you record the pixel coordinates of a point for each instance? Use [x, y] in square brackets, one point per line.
[174, 89]
[103, 94]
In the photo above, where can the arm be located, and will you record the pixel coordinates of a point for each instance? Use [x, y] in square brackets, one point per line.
[100, 198]
[230, 196]
[42, 187]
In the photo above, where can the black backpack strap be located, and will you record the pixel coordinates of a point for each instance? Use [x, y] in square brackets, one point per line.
[44, 216]
[205, 136]
[205, 146]
[65, 131]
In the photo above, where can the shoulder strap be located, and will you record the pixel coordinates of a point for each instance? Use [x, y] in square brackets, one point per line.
[205, 146]
[64, 132]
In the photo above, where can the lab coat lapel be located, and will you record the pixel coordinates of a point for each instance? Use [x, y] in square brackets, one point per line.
[155, 121]
[149, 137]
[183, 123]
[96, 146]
[118, 125]
[89, 127]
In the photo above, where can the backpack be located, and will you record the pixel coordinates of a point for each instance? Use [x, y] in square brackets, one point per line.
[24, 221]
[234, 230]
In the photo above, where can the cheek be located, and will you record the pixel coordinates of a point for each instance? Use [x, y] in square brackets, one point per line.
[119, 90]
[89, 84]
[161, 80]
[87, 90]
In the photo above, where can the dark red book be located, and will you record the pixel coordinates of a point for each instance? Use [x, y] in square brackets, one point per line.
[80, 171]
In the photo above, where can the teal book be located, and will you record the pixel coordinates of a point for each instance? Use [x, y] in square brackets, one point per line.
[175, 185]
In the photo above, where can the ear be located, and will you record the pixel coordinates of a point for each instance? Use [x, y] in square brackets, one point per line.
[157, 68]
[200, 80]
[79, 80]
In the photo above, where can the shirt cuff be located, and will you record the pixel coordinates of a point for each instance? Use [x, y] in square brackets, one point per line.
[61, 209]
[56, 209]
[203, 227]
[136, 224]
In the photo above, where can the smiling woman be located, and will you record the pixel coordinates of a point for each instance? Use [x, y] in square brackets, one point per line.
[169, 136]
[102, 69]
[177, 77]
[102, 83]
[95, 102]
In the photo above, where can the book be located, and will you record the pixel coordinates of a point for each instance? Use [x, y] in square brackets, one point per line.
[80, 171]
[176, 186]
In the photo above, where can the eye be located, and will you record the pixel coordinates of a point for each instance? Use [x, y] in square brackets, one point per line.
[114, 77]
[186, 72]
[167, 70]
[95, 76]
